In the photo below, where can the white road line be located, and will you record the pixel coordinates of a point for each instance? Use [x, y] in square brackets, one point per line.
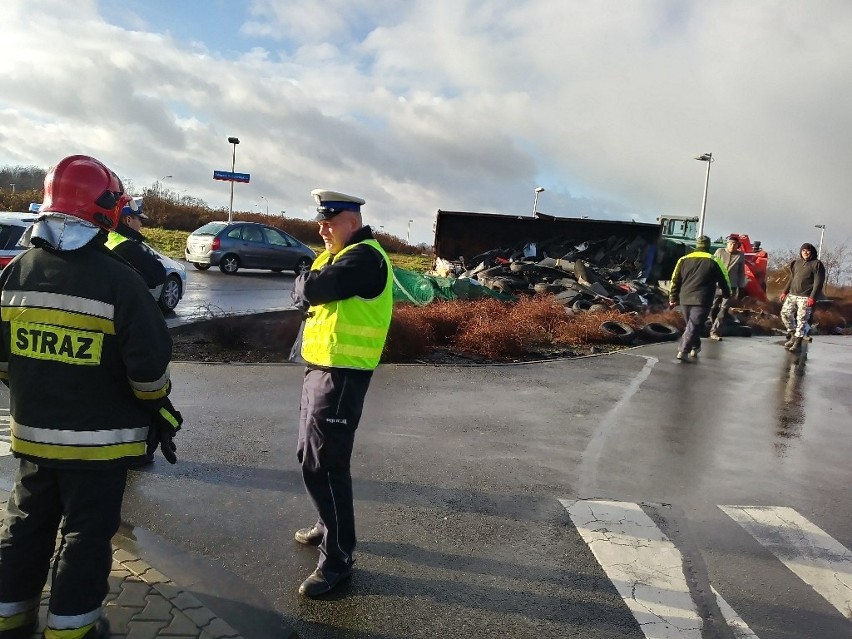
[643, 564]
[813, 555]
[735, 623]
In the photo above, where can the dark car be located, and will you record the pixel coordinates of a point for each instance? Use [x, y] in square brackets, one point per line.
[235, 245]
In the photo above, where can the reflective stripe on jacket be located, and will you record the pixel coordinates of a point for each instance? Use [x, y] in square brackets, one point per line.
[85, 351]
[349, 333]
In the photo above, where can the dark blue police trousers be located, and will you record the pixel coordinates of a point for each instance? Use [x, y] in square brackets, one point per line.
[331, 406]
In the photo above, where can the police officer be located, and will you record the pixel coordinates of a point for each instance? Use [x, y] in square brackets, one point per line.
[84, 350]
[348, 300]
[126, 240]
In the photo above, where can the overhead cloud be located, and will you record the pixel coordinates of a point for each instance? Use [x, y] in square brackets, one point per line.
[418, 106]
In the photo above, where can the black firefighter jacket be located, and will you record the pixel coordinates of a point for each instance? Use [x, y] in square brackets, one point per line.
[84, 350]
[695, 278]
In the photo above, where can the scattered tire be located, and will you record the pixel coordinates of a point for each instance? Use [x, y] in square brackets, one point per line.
[738, 330]
[582, 305]
[660, 332]
[523, 267]
[547, 287]
[618, 331]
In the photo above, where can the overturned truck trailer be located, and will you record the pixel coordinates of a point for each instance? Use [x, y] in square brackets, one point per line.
[465, 235]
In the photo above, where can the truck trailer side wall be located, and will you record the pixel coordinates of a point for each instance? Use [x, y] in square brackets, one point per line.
[466, 234]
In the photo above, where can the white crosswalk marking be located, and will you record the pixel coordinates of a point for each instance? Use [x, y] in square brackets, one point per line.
[735, 623]
[818, 559]
[642, 563]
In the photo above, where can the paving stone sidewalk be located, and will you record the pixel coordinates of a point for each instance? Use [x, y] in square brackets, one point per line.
[143, 603]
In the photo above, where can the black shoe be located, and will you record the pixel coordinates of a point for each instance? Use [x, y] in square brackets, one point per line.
[322, 581]
[309, 536]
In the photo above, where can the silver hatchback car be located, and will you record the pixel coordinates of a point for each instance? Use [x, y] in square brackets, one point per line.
[246, 245]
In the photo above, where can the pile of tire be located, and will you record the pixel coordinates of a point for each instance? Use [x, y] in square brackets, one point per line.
[623, 333]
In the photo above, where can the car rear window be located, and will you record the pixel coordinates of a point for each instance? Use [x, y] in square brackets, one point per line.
[211, 228]
[9, 236]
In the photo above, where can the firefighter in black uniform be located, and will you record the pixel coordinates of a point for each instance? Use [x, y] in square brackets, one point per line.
[126, 241]
[84, 350]
[348, 300]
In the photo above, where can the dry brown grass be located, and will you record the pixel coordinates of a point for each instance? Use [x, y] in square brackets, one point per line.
[492, 330]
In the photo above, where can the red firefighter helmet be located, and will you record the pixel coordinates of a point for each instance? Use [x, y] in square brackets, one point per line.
[85, 188]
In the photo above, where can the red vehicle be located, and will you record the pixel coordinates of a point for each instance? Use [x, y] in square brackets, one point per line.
[756, 260]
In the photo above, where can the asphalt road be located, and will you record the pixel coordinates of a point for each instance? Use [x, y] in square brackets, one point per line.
[558, 499]
[211, 293]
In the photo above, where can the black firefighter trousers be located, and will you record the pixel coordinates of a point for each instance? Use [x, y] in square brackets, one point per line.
[88, 505]
[331, 406]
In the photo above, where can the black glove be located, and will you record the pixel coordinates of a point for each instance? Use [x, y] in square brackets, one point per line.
[162, 431]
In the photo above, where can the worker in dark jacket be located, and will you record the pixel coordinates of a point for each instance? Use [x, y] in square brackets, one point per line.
[126, 240]
[348, 300]
[694, 281]
[803, 288]
[84, 350]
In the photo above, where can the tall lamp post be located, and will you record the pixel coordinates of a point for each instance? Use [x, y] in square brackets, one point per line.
[821, 236]
[707, 157]
[235, 142]
[538, 190]
[267, 203]
[408, 236]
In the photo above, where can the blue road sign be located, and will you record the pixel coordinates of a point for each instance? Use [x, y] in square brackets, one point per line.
[228, 176]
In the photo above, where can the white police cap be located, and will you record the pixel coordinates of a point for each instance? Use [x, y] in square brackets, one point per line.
[330, 203]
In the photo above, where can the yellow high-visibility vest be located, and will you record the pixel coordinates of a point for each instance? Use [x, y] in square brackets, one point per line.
[114, 239]
[348, 333]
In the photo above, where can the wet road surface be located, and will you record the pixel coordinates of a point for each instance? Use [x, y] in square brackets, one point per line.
[524, 501]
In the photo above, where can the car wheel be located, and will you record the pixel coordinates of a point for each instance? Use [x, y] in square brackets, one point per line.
[201, 267]
[229, 264]
[302, 266]
[276, 270]
[170, 295]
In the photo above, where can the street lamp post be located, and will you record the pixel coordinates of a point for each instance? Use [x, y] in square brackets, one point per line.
[267, 203]
[707, 157]
[235, 142]
[408, 236]
[821, 227]
[538, 190]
